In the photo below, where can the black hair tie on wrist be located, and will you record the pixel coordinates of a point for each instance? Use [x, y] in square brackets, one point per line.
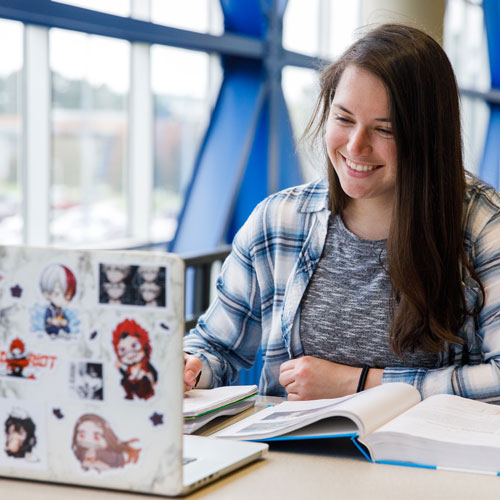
[362, 378]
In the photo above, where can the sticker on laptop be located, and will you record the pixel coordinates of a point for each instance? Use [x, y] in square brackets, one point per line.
[86, 380]
[132, 285]
[98, 448]
[55, 317]
[132, 348]
[18, 362]
[23, 425]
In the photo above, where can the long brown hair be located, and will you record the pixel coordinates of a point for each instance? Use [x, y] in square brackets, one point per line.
[426, 260]
[128, 453]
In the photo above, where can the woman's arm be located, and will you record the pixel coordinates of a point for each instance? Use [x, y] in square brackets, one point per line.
[227, 337]
[314, 378]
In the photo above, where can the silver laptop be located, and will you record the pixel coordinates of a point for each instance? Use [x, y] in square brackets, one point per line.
[91, 373]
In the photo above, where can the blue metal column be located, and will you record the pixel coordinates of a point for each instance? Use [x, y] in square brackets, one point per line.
[490, 165]
[248, 151]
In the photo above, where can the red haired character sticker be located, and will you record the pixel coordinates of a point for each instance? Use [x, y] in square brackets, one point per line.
[133, 350]
[18, 358]
[97, 447]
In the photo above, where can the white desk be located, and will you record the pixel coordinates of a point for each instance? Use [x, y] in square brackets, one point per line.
[298, 476]
[311, 472]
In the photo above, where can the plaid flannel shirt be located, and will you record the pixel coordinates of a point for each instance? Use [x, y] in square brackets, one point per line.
[272, 260]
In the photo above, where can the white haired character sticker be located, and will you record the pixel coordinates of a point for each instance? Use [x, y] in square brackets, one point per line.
[58, 285]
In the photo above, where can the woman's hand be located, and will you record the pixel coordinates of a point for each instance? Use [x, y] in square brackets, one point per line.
[192, 369]
[315, 378]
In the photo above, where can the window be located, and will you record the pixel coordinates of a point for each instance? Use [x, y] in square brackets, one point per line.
[321, 28]
[301, 89]
[116, 7]
[11, 66]
[90, 83]
[466, 46]
[184, 88]
[204, 16]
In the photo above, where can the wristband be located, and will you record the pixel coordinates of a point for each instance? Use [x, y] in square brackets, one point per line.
[362, 378]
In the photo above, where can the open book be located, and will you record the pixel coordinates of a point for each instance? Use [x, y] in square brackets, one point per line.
[203, 405]
[393, 425]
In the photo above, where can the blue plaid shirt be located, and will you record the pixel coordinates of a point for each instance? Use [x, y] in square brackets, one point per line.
[273, 258]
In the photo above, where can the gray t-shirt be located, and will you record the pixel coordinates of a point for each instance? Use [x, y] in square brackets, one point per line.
[345, 311]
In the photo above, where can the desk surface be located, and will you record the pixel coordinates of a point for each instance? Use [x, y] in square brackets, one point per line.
[313, 470]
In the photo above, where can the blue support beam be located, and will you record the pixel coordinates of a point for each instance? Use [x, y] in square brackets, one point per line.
[249, 150]
[490, 165]
[222, 160]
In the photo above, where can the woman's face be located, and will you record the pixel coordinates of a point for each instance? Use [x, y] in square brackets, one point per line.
[90, 435]
[359, 137]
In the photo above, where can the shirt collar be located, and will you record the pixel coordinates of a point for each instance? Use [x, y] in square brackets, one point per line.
[315, 197]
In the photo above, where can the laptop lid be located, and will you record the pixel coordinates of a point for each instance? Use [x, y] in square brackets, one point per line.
[91, 368]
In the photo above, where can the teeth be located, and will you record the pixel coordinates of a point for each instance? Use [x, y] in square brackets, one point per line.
[359, 167]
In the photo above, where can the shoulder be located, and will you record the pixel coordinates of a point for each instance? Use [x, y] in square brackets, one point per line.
[285, 216]
[306, 198]
[481, 206]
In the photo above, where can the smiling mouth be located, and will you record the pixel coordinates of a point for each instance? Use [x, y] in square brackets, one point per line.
[360, 167]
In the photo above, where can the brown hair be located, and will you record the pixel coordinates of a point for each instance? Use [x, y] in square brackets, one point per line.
[425, 248]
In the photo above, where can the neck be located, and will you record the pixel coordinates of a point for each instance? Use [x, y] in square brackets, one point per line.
[368, 219]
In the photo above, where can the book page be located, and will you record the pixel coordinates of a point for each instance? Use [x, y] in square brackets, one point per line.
[280, 419]
[198, 401]
[450, 418]
[367, 410]
[374, 407]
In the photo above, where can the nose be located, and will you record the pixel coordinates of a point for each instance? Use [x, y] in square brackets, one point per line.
[359, 142]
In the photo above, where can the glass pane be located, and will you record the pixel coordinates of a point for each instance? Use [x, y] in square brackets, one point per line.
[90, 83]
[185, 84]
[203, 16]
[466, 45]
[300, 27]
[342, 20]
[301, 88]
[116, 7]
[475, 120]
[11, 65]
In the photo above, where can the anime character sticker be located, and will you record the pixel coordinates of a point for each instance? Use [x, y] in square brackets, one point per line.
[133, 349]
[58, 285]
[86, 380]
[97, 447]
[114, 282]
[17, 359]
[151, 286]
[20, 437]
[132, 285]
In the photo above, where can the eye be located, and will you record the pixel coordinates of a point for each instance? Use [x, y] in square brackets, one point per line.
[385, 131]
[136, 346]
[342, 119]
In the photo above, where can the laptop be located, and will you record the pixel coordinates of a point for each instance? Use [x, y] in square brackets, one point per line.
[91, 371]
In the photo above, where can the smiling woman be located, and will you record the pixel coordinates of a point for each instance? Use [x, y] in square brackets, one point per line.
[387, 271]
[362, 150]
